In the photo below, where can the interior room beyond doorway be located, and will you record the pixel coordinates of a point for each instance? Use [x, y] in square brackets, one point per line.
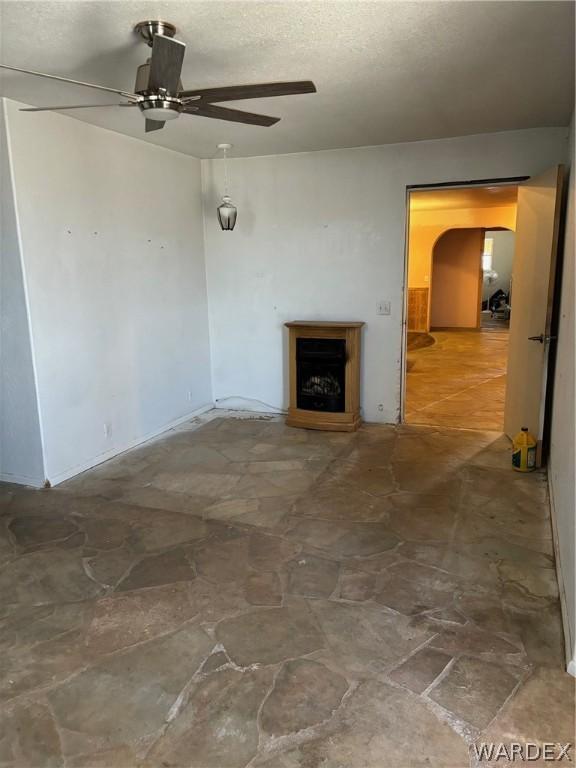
[460, 253]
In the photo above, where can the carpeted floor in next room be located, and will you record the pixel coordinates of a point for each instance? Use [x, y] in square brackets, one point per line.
[245, 594]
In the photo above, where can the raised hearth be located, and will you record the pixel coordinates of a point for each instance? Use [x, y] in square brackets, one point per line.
[324, 375]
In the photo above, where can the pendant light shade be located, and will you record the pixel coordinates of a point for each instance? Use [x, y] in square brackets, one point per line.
[226, 211]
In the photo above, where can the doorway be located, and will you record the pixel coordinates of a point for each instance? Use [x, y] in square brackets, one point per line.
[534, 286]
[459, 306]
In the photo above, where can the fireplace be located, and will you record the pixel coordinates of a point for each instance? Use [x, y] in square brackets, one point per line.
[324, 375]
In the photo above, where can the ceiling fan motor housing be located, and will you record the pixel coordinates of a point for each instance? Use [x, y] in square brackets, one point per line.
[155, 106]
[143, 79]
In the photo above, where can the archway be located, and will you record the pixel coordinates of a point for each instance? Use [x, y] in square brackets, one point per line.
[456, 279]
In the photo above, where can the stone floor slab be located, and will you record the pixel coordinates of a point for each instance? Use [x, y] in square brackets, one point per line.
[153, 571]
[365, 639]
[385, 726]
[28, 737]
[122, 620]
[542, 711]
[421, 669]
[475, 690]
[41, 577]
[344, 539]
[124, 698]
[412, 588]
[305, 693]
[263, 588]
[311, 576]
[217, 728]
[270, 635]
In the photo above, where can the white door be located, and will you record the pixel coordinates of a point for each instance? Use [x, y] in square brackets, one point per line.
[533, 274]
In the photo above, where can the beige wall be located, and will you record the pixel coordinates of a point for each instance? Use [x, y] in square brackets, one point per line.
[456, 284]
[427, 226]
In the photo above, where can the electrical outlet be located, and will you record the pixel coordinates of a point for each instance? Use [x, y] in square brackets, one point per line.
[385, 308]
[380, 407]
[107, 429]
[189, 396]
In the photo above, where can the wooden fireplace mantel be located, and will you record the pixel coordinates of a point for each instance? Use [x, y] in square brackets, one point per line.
[347, 420]
[322, 324]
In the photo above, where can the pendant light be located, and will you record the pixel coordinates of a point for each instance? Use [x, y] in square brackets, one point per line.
[226, 211]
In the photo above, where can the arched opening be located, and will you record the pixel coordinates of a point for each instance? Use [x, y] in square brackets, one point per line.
[456, 280]
[470, 278]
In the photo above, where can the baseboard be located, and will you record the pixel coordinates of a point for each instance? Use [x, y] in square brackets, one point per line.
[33, 482]
[568, 639]
[101, 458]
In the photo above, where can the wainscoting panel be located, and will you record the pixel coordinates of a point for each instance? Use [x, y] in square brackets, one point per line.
[418, 309]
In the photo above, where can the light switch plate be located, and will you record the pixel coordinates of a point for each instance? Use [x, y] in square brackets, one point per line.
[385, 308]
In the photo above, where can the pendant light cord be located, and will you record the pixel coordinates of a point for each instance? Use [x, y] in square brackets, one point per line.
[225, 172]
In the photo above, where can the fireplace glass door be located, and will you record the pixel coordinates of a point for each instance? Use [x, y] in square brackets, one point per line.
[320, 374]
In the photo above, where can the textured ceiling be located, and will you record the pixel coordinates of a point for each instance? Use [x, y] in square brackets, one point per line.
[385, 71]
[466, 197]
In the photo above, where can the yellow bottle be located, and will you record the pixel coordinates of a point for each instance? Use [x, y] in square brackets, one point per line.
[524, 451]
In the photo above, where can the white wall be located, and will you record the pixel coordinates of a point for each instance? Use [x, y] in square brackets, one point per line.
[20, 439]
[502, 258]
[321, 236]
[112, 246]
[561, 470]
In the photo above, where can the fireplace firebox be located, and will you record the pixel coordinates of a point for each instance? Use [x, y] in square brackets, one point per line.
[324, 375]
[320, 374]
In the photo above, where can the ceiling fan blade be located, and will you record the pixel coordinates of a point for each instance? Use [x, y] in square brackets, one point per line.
[166, 64]
[154, 125]
[75, 106]
[126, 94]
[233, 115]
[262, 91]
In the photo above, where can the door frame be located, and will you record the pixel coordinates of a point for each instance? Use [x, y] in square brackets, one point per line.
[471, 183]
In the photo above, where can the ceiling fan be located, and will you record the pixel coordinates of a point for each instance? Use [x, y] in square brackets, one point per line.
[158, 91]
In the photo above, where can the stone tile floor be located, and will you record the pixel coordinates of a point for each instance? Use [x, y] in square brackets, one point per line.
[460, 381]
[245, 594]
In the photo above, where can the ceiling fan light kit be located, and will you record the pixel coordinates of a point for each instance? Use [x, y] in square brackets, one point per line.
[160, 108]
[159, 93]
[227, 212]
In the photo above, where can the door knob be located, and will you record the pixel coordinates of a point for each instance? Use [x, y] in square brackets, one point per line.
[543, 338]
